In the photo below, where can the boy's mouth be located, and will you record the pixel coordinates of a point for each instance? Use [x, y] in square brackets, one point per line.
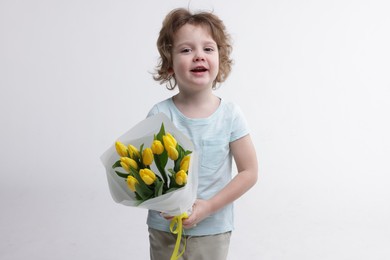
[199, 69]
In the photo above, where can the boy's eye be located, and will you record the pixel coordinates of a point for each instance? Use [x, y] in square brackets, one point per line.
[186, 50]
[209, 49]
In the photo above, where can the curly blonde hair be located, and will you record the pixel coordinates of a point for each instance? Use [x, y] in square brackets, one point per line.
[171, 24]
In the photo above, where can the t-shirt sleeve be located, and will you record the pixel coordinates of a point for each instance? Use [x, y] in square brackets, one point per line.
[240, 126]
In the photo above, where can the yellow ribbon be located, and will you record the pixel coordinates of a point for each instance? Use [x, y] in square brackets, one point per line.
[176, 227]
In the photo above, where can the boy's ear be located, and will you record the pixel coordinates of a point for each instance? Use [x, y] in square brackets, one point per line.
[170, 71]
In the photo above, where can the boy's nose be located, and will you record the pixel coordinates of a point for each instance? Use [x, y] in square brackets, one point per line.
[198, 58]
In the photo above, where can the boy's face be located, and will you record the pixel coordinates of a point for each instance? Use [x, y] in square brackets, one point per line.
[195, 58]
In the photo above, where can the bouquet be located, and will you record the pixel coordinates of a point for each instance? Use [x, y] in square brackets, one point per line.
[150, 166]
[140, 178]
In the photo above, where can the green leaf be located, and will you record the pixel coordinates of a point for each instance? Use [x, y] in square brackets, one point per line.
[160, 165]
[121, 174]
[158, 188]
[176, 166]
[164, 158]
[134, 172]
[138, 197]
[117, 164]
[143, 191]
[161, 133]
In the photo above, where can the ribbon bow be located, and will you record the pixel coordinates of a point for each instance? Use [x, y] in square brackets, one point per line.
[176, 227]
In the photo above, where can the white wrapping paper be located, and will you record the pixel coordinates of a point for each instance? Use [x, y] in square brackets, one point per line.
[173, 203]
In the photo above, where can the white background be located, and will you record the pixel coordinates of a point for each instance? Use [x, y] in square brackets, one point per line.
[312, 78]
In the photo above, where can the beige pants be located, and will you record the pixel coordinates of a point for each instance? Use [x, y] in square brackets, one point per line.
[214, 247]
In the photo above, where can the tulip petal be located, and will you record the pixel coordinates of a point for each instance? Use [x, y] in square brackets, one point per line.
[147, 156]
[121, 149]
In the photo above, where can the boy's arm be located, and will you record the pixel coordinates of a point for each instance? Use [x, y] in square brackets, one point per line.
[244, 155]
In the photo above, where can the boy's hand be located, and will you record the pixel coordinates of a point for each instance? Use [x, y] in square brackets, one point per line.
[200, 210]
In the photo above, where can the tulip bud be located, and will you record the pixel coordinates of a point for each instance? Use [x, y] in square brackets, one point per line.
[125, 166]
[121, 149]
[127, 162]
[157, 147]
[185, 163]
[147, 176]
[181, 177]
[172, 153]
[169, 140]
[131, 182]
[170, 145]
[147, 156]
[134, 153]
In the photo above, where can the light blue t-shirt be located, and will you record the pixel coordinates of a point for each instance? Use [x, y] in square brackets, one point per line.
[211, 137]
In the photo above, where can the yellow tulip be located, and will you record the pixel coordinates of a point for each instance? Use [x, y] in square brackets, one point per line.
[157, 147]
[185, 163]
[134, 153]
[181, 177]
[121, 149]
[131, 182]
[172, 153]
[147, 176]
[169, 140]
[147, 156]
[126, 162]
[170, 145]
